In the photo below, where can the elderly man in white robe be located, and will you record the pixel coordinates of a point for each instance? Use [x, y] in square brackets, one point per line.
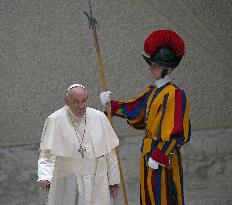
[77, 163]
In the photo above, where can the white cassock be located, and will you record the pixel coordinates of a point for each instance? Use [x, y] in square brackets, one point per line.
[76, 180]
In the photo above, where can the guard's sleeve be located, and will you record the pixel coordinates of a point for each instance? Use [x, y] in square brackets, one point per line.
[132, 110]
[175, 128]
[46, 165]
[113, 168]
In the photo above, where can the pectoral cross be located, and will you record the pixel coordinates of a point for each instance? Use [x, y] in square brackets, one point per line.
[82, 150]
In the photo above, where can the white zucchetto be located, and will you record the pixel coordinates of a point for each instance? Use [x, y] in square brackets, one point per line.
[74, 86]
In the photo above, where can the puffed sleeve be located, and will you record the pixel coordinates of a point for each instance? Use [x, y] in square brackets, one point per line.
[132, 110]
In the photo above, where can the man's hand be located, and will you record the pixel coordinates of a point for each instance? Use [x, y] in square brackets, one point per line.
[44, 184]
[114, 190]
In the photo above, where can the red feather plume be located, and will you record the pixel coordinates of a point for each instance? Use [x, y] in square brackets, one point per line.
[161, 38]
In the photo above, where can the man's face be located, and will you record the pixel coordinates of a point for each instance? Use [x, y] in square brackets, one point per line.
[77, 101]
[156, 71]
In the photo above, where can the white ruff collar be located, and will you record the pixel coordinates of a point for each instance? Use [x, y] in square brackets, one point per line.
[162, 81]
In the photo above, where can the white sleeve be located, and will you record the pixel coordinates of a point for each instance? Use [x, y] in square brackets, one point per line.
[46, 165]
[113, 168]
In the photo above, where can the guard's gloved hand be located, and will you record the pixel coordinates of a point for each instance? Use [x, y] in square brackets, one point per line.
[153, 164]
[105, 97]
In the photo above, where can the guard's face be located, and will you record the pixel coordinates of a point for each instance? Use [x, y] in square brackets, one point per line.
[156, 71]
[77, 101]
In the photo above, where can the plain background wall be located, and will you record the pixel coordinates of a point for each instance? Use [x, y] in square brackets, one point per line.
[45, 45]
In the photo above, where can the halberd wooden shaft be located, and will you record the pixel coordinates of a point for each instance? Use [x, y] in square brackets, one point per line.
[101, 71]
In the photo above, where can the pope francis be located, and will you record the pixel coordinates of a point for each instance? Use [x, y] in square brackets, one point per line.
[77, 163]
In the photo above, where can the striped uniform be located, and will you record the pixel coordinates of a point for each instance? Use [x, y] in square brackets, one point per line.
[164, 114]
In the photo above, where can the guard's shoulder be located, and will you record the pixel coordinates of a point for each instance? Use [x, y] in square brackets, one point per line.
[175, 90]
[146, 90]
[150, 87]
[174, 86]
[172, 89]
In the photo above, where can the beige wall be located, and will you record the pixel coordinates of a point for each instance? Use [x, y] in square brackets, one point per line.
[46, 46]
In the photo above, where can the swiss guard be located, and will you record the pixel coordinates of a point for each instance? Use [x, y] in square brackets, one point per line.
[162, 110]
